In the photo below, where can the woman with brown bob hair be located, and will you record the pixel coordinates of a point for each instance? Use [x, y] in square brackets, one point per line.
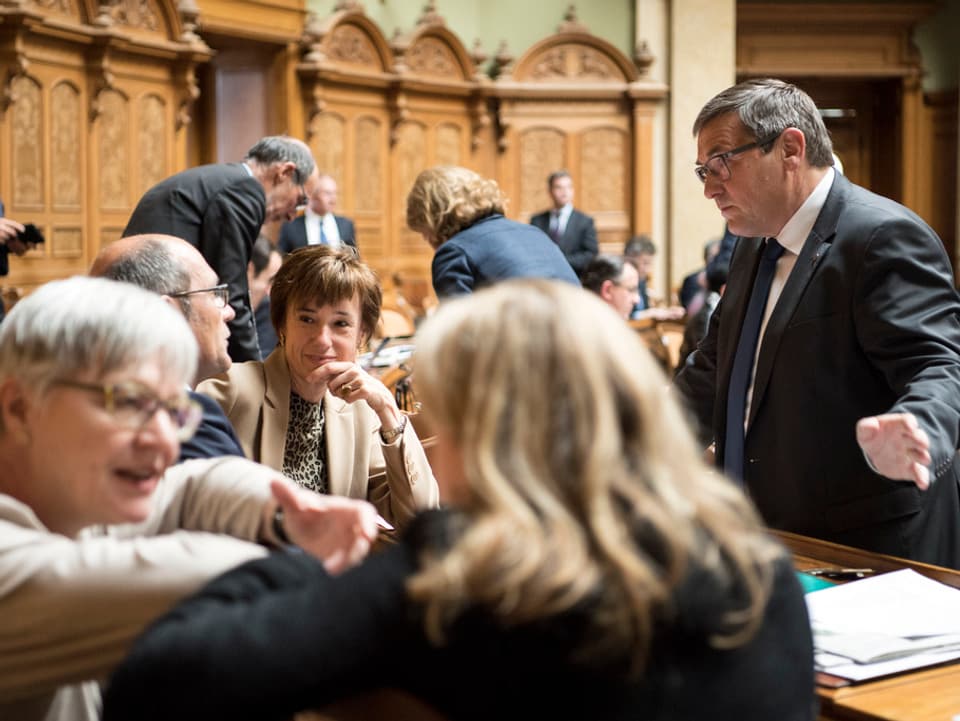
[309, 410]
[591, 566]
[460, 214]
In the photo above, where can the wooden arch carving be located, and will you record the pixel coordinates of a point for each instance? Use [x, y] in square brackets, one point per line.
[574, 101]
[431, 52]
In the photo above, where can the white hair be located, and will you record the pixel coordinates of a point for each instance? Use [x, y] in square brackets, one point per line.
[78, 325]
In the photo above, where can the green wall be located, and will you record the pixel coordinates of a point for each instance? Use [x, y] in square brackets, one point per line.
[937, 39]
[520, 22]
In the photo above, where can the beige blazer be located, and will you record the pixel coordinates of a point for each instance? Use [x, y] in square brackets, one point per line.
[71, 607]
[395, 477]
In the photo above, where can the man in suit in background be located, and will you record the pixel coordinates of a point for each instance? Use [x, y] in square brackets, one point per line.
[219, 210]
[573, 231]
[318, 225]
[174, 269]
[830, 374]
[615, 280]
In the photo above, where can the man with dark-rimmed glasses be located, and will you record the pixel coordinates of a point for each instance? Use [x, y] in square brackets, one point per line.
[174, 269]
[829, 378]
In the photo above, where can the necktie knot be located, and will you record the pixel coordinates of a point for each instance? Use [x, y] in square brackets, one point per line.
[772, 251]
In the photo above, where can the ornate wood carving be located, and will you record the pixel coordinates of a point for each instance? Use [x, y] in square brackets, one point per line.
[328, 139]
[541, 152]
[602, 169]
[65, 165]
[187, 93]
[103, 80]
[574, 62]
[368, 166]
[27, 141]
[398, 106]
[432, 57]
[348, 44]
[18, 69]
[59, 6]
[114, 155]
[137, 14]
[152, 142]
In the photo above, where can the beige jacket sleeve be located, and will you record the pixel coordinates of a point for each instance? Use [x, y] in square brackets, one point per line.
[69, 608]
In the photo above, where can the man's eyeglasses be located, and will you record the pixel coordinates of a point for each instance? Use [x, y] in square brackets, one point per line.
[716, 165]
[221, 294]
[631, 289]
[132, 405]
[304, 198]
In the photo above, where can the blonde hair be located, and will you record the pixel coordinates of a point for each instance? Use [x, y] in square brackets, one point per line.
[446, 199]
[585, 483]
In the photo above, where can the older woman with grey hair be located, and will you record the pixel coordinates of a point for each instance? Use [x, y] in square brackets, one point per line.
[97, 537]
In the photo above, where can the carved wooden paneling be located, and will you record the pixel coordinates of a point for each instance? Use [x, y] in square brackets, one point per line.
[448, 144]
[66, 170]
[67, 242]
[152, 142]
[542, 151]
[368, 166]
[328, 142]
[113, 141]
[27, 139]
[411, 155]
[604, 156]
[109, 233]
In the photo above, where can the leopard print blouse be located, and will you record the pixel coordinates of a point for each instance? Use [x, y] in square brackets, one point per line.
[305, 455]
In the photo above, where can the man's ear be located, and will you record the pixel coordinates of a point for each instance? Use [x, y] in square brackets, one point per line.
[794, 145]
[16, 403]
[606, 290]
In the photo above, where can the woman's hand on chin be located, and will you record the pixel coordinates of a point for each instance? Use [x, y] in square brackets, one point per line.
[350, 382]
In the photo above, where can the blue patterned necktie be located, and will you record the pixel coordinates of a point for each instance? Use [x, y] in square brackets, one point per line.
[743, 361]
[323, 236]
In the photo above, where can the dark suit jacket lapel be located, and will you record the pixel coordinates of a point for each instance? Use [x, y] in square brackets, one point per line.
[811, 255]
[300, 231]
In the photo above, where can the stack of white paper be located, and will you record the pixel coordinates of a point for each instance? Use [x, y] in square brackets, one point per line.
[886, 624]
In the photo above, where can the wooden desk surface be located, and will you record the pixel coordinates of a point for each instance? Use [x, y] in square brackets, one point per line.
[930, 695]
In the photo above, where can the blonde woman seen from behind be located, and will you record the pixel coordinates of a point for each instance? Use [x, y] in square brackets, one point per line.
[590, 565]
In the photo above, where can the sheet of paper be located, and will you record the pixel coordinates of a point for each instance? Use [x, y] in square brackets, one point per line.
[901, 603]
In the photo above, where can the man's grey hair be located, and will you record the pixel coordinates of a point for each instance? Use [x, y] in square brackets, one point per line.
[602, 268]
[284, 149]
[152, 266]
[767, 107]
[84, 326]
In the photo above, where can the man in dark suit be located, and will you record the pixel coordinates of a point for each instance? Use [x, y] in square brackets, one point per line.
[834, 391]
[573, 231]
[318, 225]
[219, 210]
[175, 269]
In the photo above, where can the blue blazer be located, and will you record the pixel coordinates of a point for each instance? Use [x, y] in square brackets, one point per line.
[495, 248]
[215, 436]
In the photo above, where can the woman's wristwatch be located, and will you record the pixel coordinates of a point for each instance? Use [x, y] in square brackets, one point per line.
[391, 435]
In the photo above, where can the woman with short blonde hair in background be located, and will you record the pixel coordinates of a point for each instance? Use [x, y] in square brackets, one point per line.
[591, 567]
[461, 215]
